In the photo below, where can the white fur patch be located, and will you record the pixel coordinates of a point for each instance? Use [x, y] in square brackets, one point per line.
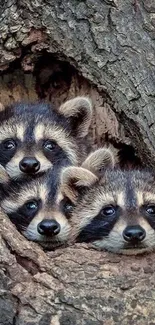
[12, 130]
[12, 167]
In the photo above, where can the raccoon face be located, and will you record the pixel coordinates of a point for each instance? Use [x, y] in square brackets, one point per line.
[35, 137]
[33, 207]
[115, 211]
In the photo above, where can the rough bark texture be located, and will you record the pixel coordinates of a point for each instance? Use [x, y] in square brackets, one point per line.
[72, 286]
[110, 43]
[54, 50]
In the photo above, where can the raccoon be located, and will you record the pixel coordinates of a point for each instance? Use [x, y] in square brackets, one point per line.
[37, 207]
[35, 137]
[4, 181]
[33, 207]
[113, 209]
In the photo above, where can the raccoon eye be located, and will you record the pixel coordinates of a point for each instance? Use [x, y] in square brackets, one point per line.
[49, 145]
[108, 211]
[150, 209]
[9, 144]
[67, 207]
[31, 205]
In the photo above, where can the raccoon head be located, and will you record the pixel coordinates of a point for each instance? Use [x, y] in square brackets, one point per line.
[114, 211]
[77, 181]
[35, 137]
[33, 207]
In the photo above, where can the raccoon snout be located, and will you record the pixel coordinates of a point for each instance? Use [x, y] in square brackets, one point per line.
[134, 234]
[29, 165]
[48, 227]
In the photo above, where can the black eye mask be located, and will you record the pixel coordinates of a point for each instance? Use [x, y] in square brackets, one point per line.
[100, 226]
[148, 210]
[54, 153]
[25, 214]
[8, 149]
[66, 206]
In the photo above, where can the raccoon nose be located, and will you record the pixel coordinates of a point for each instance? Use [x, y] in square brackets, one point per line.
[48, 227]
[29, 165]
[134, 233]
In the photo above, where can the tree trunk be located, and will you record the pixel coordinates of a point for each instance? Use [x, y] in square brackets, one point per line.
[55, 50]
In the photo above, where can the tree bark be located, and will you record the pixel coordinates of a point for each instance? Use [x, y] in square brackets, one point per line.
[72, 286]
[110, 42]
[55, 50]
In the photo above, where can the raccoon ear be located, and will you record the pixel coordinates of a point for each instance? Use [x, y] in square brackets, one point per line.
[4, 177]
[100, 160]
[79, 111]
[74, 180]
